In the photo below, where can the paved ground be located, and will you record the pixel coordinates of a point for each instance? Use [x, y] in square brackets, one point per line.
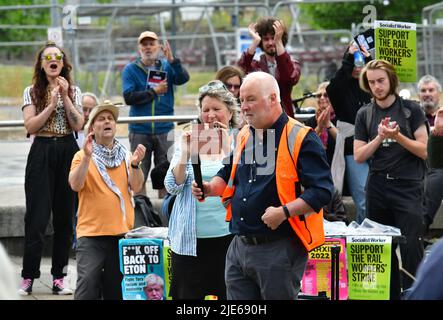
[42, 288]
[12, 169]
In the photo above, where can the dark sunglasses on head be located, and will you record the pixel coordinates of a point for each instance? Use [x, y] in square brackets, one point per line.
[49, 57]
[232, 86]
[319, 95]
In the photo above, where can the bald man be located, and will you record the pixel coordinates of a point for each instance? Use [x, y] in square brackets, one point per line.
[263, 199]
[89, 101]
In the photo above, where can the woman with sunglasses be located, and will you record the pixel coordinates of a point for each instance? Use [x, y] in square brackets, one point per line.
[198, 231]
[324, 125]
[232, 78]
[51, 111]
[324, 120]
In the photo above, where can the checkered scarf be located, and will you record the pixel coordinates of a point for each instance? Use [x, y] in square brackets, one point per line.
[111, 158]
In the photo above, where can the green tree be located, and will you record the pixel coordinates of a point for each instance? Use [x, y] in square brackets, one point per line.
[23, 17]
[12, 20]
[342, 15]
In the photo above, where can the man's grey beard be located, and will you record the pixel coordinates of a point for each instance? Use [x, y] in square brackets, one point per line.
[429, 107]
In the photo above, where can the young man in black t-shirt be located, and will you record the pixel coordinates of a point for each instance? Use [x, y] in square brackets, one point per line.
[392, 134]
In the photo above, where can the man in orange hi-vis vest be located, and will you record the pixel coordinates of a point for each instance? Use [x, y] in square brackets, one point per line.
[273, 188]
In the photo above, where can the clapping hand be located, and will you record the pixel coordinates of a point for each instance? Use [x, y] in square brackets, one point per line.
[279, 29]
[324, 118]
[438, 123]
[254, 34]
[54, 97]
[64, 86]
[87, 146]
[138, 154]
[388, 129]
[167, 51]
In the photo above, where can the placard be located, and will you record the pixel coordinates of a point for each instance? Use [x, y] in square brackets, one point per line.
[145, 261]
[396, 42]
[369, 267]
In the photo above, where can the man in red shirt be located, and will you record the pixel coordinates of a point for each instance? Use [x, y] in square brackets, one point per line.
[271, 36]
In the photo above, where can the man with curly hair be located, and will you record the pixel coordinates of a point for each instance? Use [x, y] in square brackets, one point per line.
[271, 36]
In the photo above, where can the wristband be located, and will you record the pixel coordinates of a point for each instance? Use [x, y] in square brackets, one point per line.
[138, 166]
[286, 210]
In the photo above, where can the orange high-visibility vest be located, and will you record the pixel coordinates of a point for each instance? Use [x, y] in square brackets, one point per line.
[309, 228]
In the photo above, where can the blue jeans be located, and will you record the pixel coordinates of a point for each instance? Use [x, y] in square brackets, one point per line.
[356, 176]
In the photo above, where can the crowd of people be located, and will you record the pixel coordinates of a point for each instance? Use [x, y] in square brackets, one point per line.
[245, 231]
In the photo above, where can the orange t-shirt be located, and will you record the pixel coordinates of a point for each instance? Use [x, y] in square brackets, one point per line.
[99, 212]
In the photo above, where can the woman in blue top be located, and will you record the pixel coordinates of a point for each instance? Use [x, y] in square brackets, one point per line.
[198, 231]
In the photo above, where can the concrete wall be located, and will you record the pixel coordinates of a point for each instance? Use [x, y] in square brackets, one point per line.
[12, 224]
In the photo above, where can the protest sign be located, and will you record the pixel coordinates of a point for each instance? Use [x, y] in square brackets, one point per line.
[396, 42]
[139, 258]
[369, 267]
[317, 276]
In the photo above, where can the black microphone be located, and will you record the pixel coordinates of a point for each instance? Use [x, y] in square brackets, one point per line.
[198, 176]
[197, 168]
[306, 95]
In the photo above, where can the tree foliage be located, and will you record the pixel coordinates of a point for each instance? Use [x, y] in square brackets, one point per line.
[343, 15]
[23, 17]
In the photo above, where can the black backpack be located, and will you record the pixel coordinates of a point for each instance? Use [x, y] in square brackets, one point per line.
[145, 215]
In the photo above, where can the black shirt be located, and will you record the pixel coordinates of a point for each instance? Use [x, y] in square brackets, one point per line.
[346, 96]
[391, 157]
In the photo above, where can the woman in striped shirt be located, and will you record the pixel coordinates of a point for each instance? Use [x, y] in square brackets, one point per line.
[198, 231]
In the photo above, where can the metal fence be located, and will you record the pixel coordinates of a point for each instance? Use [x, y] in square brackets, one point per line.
[124, 120]
[101, 38]
[104, 36]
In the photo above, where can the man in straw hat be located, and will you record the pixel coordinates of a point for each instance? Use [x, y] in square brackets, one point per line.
[103, 173]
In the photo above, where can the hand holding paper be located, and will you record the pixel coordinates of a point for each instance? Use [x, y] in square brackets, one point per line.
[161, 88]
[156, 79]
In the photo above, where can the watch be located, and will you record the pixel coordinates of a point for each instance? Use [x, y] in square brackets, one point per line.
[138, 166]
[286, 210]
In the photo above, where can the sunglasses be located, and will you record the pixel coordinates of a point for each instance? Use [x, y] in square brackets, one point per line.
[52, 56]
[212, 86]
[319, 95]
[232, 86]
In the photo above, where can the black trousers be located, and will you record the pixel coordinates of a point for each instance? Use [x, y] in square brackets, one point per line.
[399, 203]
[196, 277]
[157, 144]
[47, 189]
